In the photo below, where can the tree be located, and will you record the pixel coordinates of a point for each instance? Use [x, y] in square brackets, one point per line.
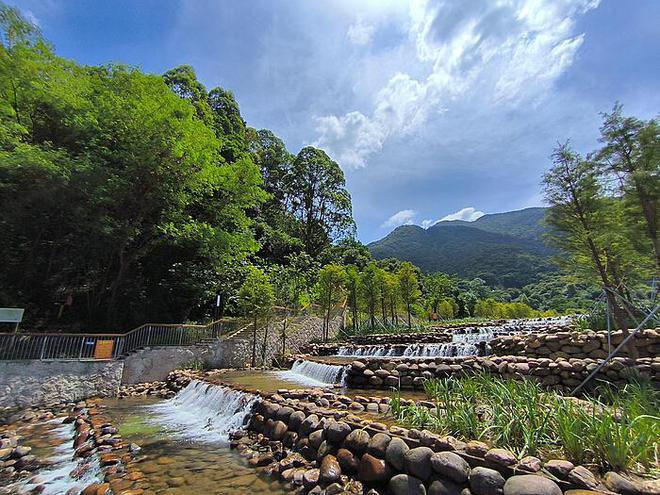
[330, 289]
[256, 297]
[370, 291]
[438, 287]
[409, 287]
[631, 154]
[319, 200]
[579, 215]
[353, 289]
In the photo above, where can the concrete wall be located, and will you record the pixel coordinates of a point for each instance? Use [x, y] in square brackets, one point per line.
[32, 383]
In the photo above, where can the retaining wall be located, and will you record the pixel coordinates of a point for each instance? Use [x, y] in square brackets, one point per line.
[34, 383]
[575, 344]
[560, 374]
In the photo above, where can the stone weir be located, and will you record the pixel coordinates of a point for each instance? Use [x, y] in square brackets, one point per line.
[307, 440]
[560, 374]
[576, 344]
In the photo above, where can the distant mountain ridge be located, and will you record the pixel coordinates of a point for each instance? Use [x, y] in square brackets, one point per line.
[502, 248]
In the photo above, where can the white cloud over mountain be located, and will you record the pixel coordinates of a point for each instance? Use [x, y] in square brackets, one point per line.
[403, 217]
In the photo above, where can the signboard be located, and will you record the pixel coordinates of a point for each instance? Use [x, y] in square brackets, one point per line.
[103, 349]
[11, 315]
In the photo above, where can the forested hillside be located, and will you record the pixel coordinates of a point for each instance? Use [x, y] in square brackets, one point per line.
[129, 197]
[504, 249]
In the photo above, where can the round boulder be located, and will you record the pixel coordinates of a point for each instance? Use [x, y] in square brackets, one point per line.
[372, 469]
[347, 461]
[357, 441]
[450, 466]
[402, 484]
[418, 462]
[445, 487]
[395, 452]
[330, 470]
[484, 481]
[530, 484]
[337, 431]
[378, 444]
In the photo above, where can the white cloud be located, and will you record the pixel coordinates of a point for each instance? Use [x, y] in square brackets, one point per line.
[403, 217]
[428, 223]
[469, 214]
[360, 33]
[492, 53]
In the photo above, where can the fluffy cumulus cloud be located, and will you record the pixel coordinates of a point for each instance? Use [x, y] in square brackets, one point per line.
[403, 217]
[506, 52]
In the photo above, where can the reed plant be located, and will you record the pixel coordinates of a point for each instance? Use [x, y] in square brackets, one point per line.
[619, 429]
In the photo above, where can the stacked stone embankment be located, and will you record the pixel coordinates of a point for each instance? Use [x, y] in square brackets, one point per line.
[560, 374]
[307, 440]
[576, 344]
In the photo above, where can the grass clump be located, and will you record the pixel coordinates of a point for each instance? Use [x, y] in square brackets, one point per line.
[618, 429]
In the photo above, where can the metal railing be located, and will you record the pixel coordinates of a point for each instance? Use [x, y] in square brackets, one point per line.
[24, 346]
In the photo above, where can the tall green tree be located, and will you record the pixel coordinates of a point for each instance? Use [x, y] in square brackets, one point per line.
[320, 200]
[256, 297]
[353, 289]
[580, 218]
[631, 155]
[408, 287]
[330, 289]
[370, 290]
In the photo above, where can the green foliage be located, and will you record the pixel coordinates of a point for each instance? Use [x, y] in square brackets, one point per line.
[330, 291]
[408, 287]
[490, 308]
[619, 431]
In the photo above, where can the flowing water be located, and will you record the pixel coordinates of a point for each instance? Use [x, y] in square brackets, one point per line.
[313, 374]
[184, 442]
[52, 443]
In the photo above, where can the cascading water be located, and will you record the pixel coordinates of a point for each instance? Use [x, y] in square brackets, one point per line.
[65, 473]
[312, 374]
[206, 412]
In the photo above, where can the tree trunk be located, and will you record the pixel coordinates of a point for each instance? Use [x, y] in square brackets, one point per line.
[409, 324]
[264, 347]
[254, 341]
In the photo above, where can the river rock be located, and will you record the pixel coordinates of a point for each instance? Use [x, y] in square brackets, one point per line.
[530, 484]
[337, 431]
[311, 478]
[295, 420]
[583, 478]
[315, 438]
[502, 457]
[395, 453]
[445, 487]
[357, 441]
[559, 467]
[330, 469]
[372, 470]
[347, 461]
[278, 430]
[402, 484]
[485, 481]
[417, 462]
[451, 466]
[530, 464]
[378, 444]
[619, 484]
[309, 424]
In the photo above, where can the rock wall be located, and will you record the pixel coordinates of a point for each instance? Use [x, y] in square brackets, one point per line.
[154, 363]
[35, 383]
[559, 374]
[575, 344]
[313, 442]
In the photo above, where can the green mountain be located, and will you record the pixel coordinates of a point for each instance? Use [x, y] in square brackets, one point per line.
[503, 248]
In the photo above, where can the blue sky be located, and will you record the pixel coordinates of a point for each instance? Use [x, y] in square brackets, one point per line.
[431, 107]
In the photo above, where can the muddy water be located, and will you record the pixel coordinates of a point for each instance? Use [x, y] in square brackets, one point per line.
[174, 463]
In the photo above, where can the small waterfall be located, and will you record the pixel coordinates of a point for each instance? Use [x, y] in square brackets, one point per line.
[205, 412]
[367, 350]
[483, 334]
[312, 374]
[60, 477]
[450, 349]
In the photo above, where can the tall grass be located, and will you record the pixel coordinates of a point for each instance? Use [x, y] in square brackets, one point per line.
[618, 430]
